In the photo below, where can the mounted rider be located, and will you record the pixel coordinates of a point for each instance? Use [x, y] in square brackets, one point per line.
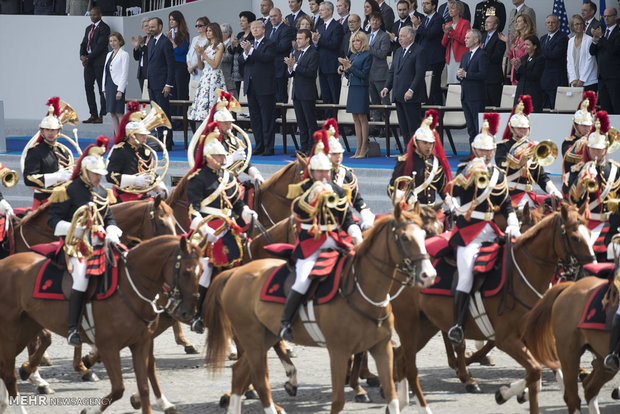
[213, 191]
[48, 163]
[344, 177]
[84, 188]
[426, 163]
[577, 152]
[322, 213]
[131, 163]
[477, 191]
[583, 120]
[516, 155]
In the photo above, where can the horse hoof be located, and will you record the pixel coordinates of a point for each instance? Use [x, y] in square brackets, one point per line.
[499, 398]
[473, 388]
[487, 361]
[45, 389]
[171, 410]
[615, 394]
[86, 361]
[90, 377]
[224, 401]
[191, 350]
[251, 395]
[290, 389]
[46, 362]
[521, 398]
[23, 374]
[373, 382]
[362, 398]
[135, 401]
[291, 353]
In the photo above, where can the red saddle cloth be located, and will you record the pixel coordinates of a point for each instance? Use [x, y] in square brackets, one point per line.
[594, 315]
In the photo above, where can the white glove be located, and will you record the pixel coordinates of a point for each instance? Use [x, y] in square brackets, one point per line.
[355, 233]
[238, 155]
[5, 208]
[209, 233]
[62, 227]
[367, 219]
[113, 234]
[54, 178]
[399, 195]
[512, 228]
[78, 231]
[255, 176]
[161, 190]
[448, 204]
[553, 190]
[248, 214]
[140, 180]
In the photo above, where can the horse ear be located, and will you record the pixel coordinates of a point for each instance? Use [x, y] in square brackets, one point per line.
[564, 211]
[157, 202]
[417, 209]
[582, 209]
[397, 211]
[184, 244]
[526, 212]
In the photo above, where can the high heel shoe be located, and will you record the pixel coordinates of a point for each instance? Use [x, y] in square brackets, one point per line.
[364, 155]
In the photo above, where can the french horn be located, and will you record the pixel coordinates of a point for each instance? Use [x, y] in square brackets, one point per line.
[9, 177]
[84, 217]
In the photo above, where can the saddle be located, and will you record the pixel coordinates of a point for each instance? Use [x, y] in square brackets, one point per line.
[598, 313]
[325, 275]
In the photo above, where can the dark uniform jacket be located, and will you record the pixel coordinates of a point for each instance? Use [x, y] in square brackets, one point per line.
[423, 168]
[489, 8]
[203, 183]
[345, 178]
[41, 159]
[127, 159]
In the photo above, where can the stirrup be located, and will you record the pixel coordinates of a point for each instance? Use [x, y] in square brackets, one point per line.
[612, 362]
[286, 332]
[197, 325]
[455, 334]
[73, 338]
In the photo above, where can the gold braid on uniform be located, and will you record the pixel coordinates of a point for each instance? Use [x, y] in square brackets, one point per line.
[59, 194]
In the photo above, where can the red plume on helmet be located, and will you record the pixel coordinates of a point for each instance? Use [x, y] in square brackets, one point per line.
[527, 104]
[55, 102]
[320, 136]
[493, 119]
[223, 96]
[199, 159]
[591, 97]
[331, 122]
[100, 147]
[132, 106]
[603, 118]
[435, 115]
[438, 150]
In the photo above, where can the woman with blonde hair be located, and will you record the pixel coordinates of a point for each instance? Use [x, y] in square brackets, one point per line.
[581, 66]
[515, 49]
[357, 70]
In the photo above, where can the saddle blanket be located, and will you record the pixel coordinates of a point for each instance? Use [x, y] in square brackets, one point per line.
[594, 315]
[327, 270]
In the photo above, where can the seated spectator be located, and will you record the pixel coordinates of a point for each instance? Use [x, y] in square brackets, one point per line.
[581, 66]
[524, 27]
[528, 72]
[454, 39]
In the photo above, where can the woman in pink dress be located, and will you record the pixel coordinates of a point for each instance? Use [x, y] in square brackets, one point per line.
[524, 27]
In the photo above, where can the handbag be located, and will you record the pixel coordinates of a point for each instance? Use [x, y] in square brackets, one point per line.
[374, 149]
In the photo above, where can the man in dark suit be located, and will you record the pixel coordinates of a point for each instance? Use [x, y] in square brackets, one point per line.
[606, 47]
[328, 40]
[265, 8]
[429, 33]
[402, 8]
[259, 85]
[406, 81]
[282, 36]
[343, 7]
[495, 49]
[588, 11]
[93, 51]
[380, 49]
[296, 13]
[443, 11]
[314, 12]
[553, 46]
[160, 72]
[387, 13]
[488, 8]
[472, 73]
[355, 24]
[302, 67]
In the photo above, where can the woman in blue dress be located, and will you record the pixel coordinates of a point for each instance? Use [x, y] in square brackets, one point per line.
[357, 69]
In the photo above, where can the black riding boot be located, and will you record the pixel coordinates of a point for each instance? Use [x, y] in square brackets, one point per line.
[293, 300]
[612, 361]
[197, 324]
[76, 302]
[461, 302]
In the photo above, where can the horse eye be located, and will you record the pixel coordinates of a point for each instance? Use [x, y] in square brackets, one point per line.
[574, 239]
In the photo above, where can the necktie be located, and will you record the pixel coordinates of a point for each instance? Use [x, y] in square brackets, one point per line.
[272, 32]
[372, 38]
[487, 41]
[341, 20]
[586, 26]
[607, 33]
[255, 44]
[325, 26]
[426, 21]
[446, 14]
[404, 53]
[90, 36]
[301, 53]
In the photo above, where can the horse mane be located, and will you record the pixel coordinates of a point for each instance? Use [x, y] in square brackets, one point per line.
[378, 226]
[150, 244]
[278, 174]
[534, 231]
[175, 195]
[34, 214]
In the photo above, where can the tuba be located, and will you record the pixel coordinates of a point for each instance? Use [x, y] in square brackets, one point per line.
[9, 177]
[81, 247]
[545, 153]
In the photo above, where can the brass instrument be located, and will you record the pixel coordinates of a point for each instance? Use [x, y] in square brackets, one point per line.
[9, 177]
[329, 199]
[590, 185]
[81, 247]
[234, 143]
[481, 180]
[67, 114]
[613, 138]
[545, 153]
[407, 183]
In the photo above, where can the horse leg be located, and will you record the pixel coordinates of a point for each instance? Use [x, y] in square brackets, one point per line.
[449, 351]
[30, 370]
[481, 356]
[140, 355]
[112, 362]
[569, 355]
[371, 379]
[180, 339]
[289, 368]
[354, 377]
[78, 365]
[471, 385]
[382, 353]
[338, 363]
[597, 378]
[260, 380]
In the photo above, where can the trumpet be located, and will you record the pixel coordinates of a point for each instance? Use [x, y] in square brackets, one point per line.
[9, 177]
[329, 199]
[545, 153]
[590, 185]
[81, 247]
[481, 179]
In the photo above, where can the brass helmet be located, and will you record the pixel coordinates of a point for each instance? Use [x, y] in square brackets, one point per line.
[584, 116]
[220, 112]
[135, 127]
[485, 140]
[598, 138]
[335, 147]
[92, 159]
[330, 126]
[212, 144]
[425, 133]
[520, 113]
[320, 160]
[59, 112]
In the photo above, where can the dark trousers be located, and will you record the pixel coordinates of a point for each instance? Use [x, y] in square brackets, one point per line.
[408, 118]
[609, 95]
[262, 111]
[305, 112]
[494, 93]
[374, 88]
[593, 87]
[282, 90]
[471, 108]
[157, 95]
[549, 101]
[94, 73]
[330, 90]
[436, 97]
[181, 80]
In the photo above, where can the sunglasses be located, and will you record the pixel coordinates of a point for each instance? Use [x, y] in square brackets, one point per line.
[200, 25]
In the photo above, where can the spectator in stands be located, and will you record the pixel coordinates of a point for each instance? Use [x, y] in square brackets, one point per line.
[472, 74]
[370, 7]
[304, 23]
[402, 8]
[227, 58]
[444, 11]
[43, 7]
[529, 73]
[429, 33]
[328, 40]
[606, 47]
[108, 7]
[581, 66]
[357, 71]
[406, 80]
[196, 48]
[554, 45]
[520, 8]
[355, 24]
[140, 51]
[245, 19]
[380, 49]
[265, 8]
[495, 49]
[76, 7]
[524, 27]
[343, 7]
[488, 8]
[115, 77]
[314, 12]
[296, 13]
[281, 35]
[93, 51]
[588, 11]
[454, 39]
[387, 13]
[179, 37]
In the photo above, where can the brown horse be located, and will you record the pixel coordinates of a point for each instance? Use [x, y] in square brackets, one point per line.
[233, 306]
[157, 266]
[555, 319]
[418, 317]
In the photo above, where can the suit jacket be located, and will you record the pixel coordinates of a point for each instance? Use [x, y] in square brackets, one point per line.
[388, 14]
[495, 50]
[142, 52]
[329, 46]
[345, 23]
[458, 40]
[477, 67]
[429, 36]
[98, 44]
[119, 69]
[513, 15]
[588, 68]
[446, 17]
[282, 39]
[160, 71]
[380, 50]
[407, 72]
[608, 53]
[554, 51]
[593, 24]
[487, 8]
[317, 21]
[258, 69]
[396, 26]
[292, 21]
[529, 75]
[304, 75]
[359, 72]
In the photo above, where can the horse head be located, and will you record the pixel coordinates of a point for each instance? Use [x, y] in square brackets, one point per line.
[162, 218]
[430, 222]
[574, 236]
[181, 281]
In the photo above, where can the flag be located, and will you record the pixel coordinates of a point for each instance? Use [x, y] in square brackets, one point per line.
[601, 11]
[559, 9]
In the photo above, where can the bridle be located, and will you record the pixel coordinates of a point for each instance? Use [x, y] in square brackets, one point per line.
[150, 215]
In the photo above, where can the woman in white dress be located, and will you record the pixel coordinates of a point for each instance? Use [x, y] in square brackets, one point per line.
[195, 73]
[212, 75]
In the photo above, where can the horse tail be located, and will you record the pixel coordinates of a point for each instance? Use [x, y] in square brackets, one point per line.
[218, 324]
[538, 330]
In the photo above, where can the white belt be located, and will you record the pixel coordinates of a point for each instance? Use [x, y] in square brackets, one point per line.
[520, 186]
[306, 226]
[213, 210]
[599, 216]
[478, 215]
